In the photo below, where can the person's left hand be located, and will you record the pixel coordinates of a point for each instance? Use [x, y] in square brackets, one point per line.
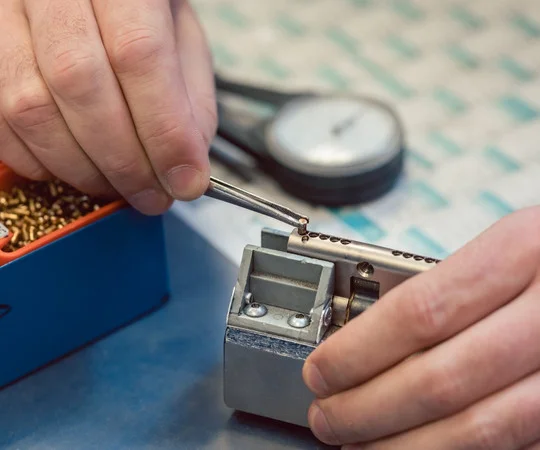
[450, 359]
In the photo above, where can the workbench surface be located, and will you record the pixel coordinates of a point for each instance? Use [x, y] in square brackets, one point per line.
[154, 384]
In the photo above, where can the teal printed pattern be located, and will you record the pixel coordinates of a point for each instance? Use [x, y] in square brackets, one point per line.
[501, 159]
[407, 53]
[518, 108]
[494, 204]
[366, 227]
[529, 26]
[515, 69]
[429, 196]
[342, 39]
[425, 244]
[440, 141]
[466, 17]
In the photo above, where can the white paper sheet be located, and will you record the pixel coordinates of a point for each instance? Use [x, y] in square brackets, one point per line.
[463, 75]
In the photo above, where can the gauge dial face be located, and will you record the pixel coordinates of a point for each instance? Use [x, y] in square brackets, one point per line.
[334, 136]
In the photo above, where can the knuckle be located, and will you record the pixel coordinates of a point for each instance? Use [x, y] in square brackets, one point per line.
[90, 182]
[427, 312]
[168, 136]
[134, 49]
[123, 167]
[488, 433]
[75, 74]
[37, 172]
[442, 389]
[163, 131]
[128, 172]
[29, 108]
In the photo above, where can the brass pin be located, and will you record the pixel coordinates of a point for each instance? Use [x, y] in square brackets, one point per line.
[52, 189]
[16, 234]
[32, 233]
[35, 209]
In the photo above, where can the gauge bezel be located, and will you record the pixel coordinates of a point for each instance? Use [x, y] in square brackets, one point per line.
[282, 155]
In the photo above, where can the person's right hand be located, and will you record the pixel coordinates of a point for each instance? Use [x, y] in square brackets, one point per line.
[112, 97]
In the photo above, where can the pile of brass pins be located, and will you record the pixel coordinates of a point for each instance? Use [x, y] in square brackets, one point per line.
[32, 210]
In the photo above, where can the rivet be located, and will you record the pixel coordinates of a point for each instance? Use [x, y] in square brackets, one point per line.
[255, 310]
[298, 320]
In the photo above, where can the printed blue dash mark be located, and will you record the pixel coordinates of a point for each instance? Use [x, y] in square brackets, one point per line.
[360, 223]
[450, 100]
[403, 48]
[408, 10]
[463, 56]
[229, 14]
[428, 194]
[389, 81]
[273, 68]
[425, 244]
[362, 3]
[419, 160]
[222, 55]
[290, 25]
[501, 159]
[495, 204]
[332, 76]
[518, 108]
[515, 69]
[343, 40]
[443, 141]
[526, 25]
[466, 17]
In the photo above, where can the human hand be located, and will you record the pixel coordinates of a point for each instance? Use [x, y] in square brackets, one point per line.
[449, 359]
[112, 97]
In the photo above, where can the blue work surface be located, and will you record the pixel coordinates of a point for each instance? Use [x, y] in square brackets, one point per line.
[156, 384]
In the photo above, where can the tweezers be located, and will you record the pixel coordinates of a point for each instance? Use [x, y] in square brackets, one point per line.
[223, 191]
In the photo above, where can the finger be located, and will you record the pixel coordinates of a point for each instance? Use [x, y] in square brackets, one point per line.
[13, 152]
[430, 307]
[139, 38]
[197, 68]
[535, 446]
[31, 112]
[17, 157]
[76, 68]
[481, 360]
[507, 420]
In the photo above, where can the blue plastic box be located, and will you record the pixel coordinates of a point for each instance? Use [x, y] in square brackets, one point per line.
[79, 288]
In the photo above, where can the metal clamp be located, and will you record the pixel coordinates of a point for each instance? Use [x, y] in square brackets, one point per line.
[293, 292]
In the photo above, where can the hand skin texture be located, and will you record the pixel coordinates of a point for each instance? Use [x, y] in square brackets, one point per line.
[449, 360]
[113, 97]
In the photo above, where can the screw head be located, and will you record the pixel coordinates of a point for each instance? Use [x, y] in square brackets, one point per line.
[327, 316]
[255, 310]
[298, 320]
[365, 269]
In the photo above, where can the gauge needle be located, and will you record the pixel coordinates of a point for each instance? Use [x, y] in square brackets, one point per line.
[234, 195]
[345, 124]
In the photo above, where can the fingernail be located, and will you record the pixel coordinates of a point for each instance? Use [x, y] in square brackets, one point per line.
[320, 427]
[150, 201]
[185, 182]
[314, 380]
